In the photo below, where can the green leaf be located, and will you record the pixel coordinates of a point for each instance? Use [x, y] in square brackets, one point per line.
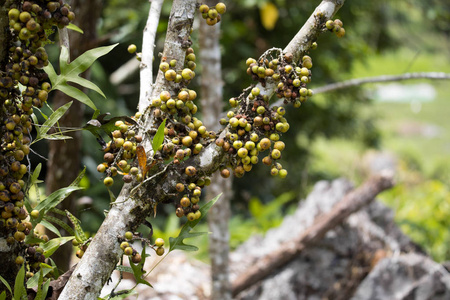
[70, 73]
[85, 60]
[3, 295]
[76, 94]
[54, 199]
[59, 222]
[79, 233]
[51, 246]
[39, 289]
[158, 139]
[122, 268]
[138, 270]
[19, 285]
[53, 119]
[74, 27]
[34, 281]
[3, 280]
[185, 233]
[50, 227]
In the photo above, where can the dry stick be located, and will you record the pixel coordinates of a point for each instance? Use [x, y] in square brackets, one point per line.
[351, 203]
[148, 46]
[382, 78]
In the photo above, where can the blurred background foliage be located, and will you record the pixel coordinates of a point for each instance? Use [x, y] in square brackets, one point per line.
[330, 134]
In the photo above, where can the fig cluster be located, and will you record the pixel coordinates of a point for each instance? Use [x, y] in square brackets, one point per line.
[212, 15]
[336, 26]
[120, 154]
[23, 84]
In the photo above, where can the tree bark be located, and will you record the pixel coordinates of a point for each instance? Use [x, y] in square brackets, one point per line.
[64, 159]
[212, 107]
[351, 203]
[136, 201]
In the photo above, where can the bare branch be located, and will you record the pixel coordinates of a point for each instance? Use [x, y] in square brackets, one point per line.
[351, 203]
[383, 78]
[148, 46]
[124, 71]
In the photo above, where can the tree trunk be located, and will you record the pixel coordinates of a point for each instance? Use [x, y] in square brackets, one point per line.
[212, 107]
[64, 157]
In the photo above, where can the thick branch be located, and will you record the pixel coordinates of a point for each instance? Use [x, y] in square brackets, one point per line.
[148, 46]
[104, 251]
[383, 78]
[351, 203]
[4, 45]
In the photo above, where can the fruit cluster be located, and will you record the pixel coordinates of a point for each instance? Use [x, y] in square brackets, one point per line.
[23, 84]
[120, 153]
[212, 15]
[128, 249]
[336, 26]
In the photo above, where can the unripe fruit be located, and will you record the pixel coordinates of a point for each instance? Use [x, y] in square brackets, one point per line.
[160, 251]
[164, 67]
[329, 24]
[221, 8]
[108, 181]
[19, 260]
[282, 173]
[34, 214]
[132, 48]
[159, 242]
[191, 216]
[129, 235]
[124, 245]
[265, 144]
[187, 74]
[170, 75]
[203, 8]
[128, 251]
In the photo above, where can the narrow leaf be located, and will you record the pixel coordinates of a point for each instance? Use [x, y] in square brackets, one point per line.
[86, 83]
[124, 269]
[76, 94]
[3, 295]
[19, 284]
[55, 198]
[39, 289]
[51, 246]
[158, 139]
[54, 117]
[185, 233]
[79, 233]
[33, 281]
[85, 60]
[51, 73]
[76, 181]
[54, 137]
[60, 223]
[3, 280]
[50, 227]
[74, 27]
[64, 57]
[35, 175]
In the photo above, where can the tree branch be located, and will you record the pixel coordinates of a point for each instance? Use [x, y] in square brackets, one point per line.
[383, 78]
[104, 251]
[148, 46]
[351, 203]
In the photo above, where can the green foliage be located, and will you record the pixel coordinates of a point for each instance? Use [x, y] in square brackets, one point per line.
[70, 73]
[6, 284]
[19, 285]
[138, 269]
[186, 230]
[42, 130]
[423, 212]
[158, 139]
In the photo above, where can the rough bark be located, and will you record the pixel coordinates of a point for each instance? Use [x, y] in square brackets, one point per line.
[212, 107]
[64, 159]
[104, 251]
[350, 204]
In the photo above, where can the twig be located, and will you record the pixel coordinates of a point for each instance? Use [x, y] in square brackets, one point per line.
[147, 54]
[382, 78]
[351, 203]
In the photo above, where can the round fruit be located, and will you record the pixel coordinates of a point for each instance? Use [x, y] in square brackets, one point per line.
[132, 48]
[159, 242]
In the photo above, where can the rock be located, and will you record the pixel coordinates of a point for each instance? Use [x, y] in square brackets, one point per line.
[407, 276]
